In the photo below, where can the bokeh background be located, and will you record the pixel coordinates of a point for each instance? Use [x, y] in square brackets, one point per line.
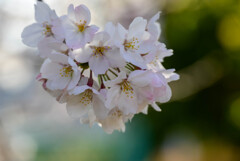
[201, 123]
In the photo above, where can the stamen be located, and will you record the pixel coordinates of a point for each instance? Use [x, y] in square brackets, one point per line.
[86, 98]
[116, 113]
[82, 26]
[131, 45]
[127, 89]
[66, 72]
[47, 30]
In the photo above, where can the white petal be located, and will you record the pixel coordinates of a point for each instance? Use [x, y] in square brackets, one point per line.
[90, 32]
[156, 107]
[128, 103]
[121, 35]
[110, 28]
[75, 39]
[140, 78]
[100, 38]
[112, 97]
[99, 108]
[83, 55]
[122, 75]
[98, 64]
[114, 57]
[50, 70]
[164, 94]
[153, 27]
[170, 75]
[32, 34]
[59, 58]
[133, 58]
[71, 13]
[82, 13]
[43, 13]
[79, 89]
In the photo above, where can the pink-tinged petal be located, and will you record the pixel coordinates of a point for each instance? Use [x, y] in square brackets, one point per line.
[83, 55]
[43, 13]
[114, 57]
[98, 64]
[90, 32]
[137, 27]
[82, 14]
[76, 108]
[163, 94]
[99, 108]
[32, 34]
[154, 27]
[140, 78]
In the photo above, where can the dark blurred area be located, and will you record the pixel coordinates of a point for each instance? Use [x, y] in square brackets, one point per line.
[201, 123]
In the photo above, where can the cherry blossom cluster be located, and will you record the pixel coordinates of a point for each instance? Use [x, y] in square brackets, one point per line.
[104, 77]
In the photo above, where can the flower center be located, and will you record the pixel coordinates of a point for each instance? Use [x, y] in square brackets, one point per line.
[116, 113]
[86, 98]
[81, 26]
[47, 30]
[66, 72]
[131, 45]
[127, 88]
[99, 50]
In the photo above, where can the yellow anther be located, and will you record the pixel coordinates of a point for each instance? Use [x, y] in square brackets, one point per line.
[66, 72]
[82, 26]
[47, 30]
[132, 45]
[86, 97]
[127, 89]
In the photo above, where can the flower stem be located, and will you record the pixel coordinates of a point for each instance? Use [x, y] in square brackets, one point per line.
[113, 72]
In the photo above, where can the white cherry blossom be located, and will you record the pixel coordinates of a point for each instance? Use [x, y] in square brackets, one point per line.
[100, 54]
[134, 42]
[78, 32]
[61, 72]
[47, 25]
